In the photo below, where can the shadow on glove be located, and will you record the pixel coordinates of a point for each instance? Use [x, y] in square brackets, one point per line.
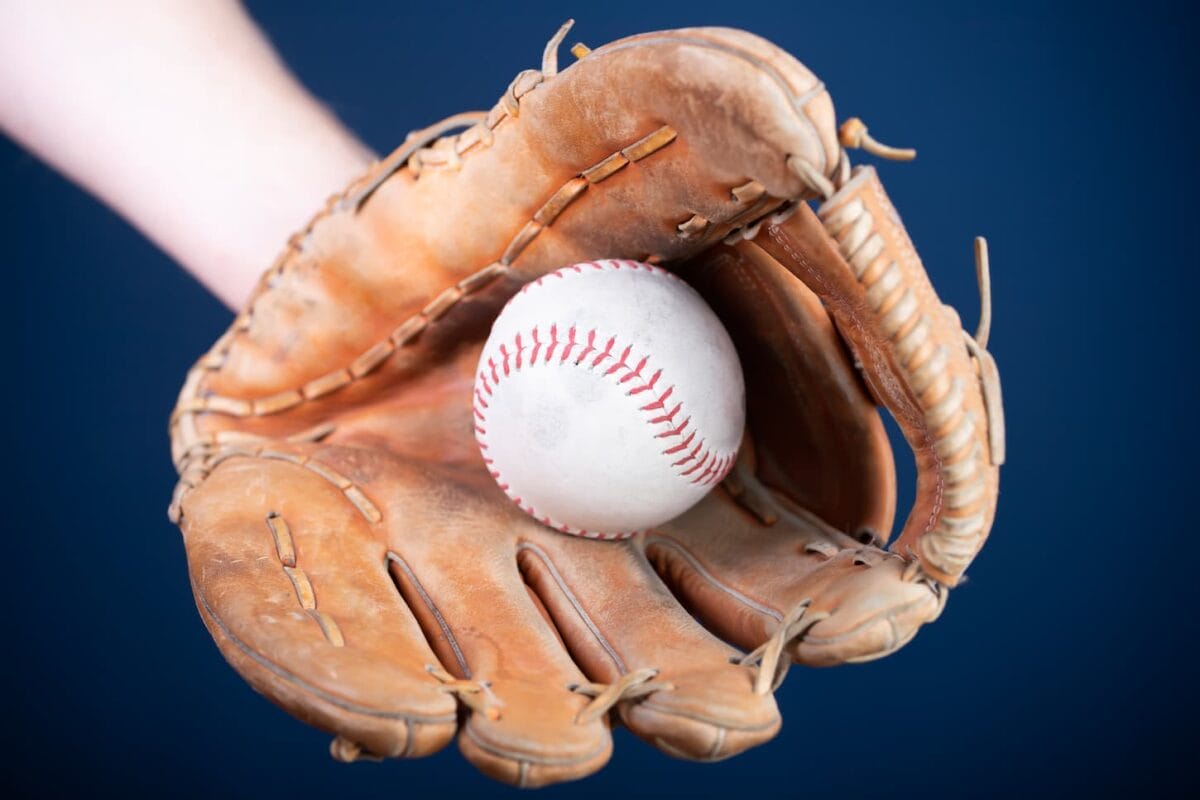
[355, 562]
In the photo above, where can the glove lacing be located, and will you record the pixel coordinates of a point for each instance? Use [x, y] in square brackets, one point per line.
[771, 656]
[475, 695]
[431, 145]
[629, 686]
[853, 134]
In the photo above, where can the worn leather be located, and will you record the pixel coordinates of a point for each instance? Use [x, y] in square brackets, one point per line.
[348, 550]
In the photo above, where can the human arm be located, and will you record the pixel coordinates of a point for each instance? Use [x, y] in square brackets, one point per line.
[182, 118]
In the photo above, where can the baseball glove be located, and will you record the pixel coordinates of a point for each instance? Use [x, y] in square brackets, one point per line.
[356, 563]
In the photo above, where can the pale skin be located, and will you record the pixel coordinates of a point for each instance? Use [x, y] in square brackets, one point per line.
[181, 117]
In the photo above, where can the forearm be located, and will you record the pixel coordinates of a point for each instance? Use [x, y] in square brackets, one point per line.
[181, 117]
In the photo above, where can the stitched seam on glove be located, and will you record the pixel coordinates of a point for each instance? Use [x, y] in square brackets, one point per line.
[285, 549]
[194, 473]
[957, 516]
[183, 422]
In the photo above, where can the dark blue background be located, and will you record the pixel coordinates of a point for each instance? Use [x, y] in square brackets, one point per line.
[1064, 134]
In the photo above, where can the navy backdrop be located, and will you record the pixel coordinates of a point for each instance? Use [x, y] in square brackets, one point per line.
[1062, 133]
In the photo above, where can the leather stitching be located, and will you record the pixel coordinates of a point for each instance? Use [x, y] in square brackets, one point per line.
[703, 572]
[433, 609]
[285, 548]
[194, 399]
[955, 522]
[697, 716]
[571, 598]
[208, 460]
[407, 331]
[531, 757]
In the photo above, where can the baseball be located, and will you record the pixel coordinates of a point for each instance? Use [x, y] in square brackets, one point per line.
[609, 399]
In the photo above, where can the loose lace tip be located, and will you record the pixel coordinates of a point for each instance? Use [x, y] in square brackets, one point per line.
[550, 54]
[347, 751]
[853, 134]
[983, 275]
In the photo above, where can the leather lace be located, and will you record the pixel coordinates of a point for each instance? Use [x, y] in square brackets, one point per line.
[475, 695]
[771, 656]
[989, 374]
[629, 686]
[432, 143]
[853, 134]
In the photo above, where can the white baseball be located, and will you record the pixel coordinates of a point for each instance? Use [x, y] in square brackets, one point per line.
[609, 399]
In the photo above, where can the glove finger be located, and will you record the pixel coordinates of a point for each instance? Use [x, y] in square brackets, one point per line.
[827, 598]
[939, 384]
[453, 557]
[290, 581]
[700, 705]
[867, 604]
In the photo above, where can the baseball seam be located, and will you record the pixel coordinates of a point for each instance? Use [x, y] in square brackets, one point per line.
[697, 463]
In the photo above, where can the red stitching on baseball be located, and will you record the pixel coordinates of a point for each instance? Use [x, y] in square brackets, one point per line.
[699, 462]
[553, 343]
[676, 431]
[699, 446]
[708, 470]
[670, 451]
[637, 372]
[661, 402]
[712, 468]
[621, 364]
[536, 344]
[645, 387]
[668, 417]
[589, 347]
[607, 352]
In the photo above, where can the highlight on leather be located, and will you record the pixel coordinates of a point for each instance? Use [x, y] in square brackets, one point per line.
[356, 563]
[950, 420]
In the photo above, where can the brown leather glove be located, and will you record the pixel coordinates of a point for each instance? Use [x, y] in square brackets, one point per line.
[356, 563]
